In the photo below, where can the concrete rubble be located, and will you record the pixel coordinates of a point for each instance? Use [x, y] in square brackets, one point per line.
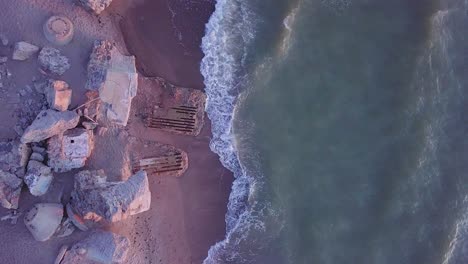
[13, 216]
[51, 60]
[95, 202]
[99, 247]
[70, 150]
[43, 219]
[115, 77]
[58, 95]
[24, 51]
[38, 178]
[66, 228]
[96, 6]
[48, 124]
[10, 190]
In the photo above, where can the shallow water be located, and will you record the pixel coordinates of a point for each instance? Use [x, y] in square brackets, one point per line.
[343, 122]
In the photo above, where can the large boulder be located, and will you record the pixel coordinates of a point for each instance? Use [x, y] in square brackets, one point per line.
[51, 60]
[24, 51]
[38, 178]
[115, 77]
[105, 203]
[10, 190]
[100, 247]
[96, 6]
[50, 123]
[70, 150]
[58, 95]
[43, 220]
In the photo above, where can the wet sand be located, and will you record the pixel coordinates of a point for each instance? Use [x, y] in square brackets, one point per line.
[187, 213]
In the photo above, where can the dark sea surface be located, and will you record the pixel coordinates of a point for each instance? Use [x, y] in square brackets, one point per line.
[344, 122]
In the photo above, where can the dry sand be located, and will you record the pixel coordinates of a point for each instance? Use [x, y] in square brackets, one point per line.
[187, 213]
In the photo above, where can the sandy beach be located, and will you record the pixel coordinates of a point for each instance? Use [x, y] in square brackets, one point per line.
[187, 213]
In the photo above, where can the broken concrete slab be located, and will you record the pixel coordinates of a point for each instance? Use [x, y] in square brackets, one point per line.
[24, 50]
[10, 190]
[51, 60]
[58, 95]
[43, 219]
[115, 77]
[95, 6]
[38, 178]
[48, 124]
[70, 150]
[110, 202]
[99, 247]
[58, 30]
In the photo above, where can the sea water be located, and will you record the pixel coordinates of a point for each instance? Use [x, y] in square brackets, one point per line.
[344, 124]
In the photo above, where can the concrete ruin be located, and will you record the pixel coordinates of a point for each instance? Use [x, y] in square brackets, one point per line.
[95, 6]
[43, 219]
[99, 247]
[96, 202]
[70, 150]
[49, 123]
[115, 77]
[58, 95]
[179, 110]
[52, 61]
[24, 51]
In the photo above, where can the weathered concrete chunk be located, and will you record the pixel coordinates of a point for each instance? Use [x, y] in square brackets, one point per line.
[14, 157]
[52, 61]
[58, 95]
[70, 150]
[96, 6]
[110, 202]
[43, 219]
[58, 30]
[100, 247]
[37, 157]
[10, 190]
[38, 178]
[24, 51]
[50, 123]
[116, 78]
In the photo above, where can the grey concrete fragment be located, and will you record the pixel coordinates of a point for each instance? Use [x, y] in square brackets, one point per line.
[42, 220]
[115, 77]
[10, 190]
[95, 6]
[58, 95]
[100, 247]
[49, 123]
[70, 150]
[37, 157]
[24, 51]
[65, 229]
[38, 178]
[51, 60]
[111, 202]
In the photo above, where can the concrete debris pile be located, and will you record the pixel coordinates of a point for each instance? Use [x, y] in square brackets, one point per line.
[115, 77]
[95, 6]
[70, 150]
[98, 247]
[95, 202]
[52, 61]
